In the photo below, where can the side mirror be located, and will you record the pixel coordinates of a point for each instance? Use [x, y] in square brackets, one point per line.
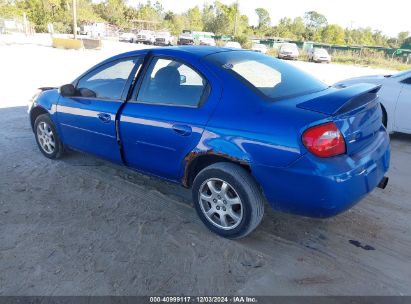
[183, 79]
[87, 93]
[67, 90]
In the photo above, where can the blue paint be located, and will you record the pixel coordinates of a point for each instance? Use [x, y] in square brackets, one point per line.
[239, 123]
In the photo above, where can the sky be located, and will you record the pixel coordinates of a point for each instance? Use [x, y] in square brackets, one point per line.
[391, 17]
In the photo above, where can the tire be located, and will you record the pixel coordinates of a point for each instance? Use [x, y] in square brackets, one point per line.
[246, 209]
[46, 137]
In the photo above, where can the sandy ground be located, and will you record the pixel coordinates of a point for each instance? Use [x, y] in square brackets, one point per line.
[82, 226]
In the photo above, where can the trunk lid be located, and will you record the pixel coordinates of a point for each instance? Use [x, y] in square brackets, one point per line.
[355, 110]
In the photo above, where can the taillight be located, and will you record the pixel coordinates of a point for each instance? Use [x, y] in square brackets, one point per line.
[324, 140]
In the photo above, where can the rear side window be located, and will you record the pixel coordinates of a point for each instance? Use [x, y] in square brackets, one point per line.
[170, 82]
[268, 76]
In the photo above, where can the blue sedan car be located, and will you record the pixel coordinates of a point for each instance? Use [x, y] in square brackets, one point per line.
[238, 127]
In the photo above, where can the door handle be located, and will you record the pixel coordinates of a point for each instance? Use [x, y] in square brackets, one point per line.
[104, 117]
[183, 130]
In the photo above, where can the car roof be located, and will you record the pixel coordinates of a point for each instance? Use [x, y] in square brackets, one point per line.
[193, 50]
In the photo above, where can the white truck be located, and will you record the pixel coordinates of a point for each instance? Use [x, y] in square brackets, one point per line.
[145, 36]
[163, 38]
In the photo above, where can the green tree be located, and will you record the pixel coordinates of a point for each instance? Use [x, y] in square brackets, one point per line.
[195, 19]
[333, 34]
[402, 36]
[9, 10]
[314, 22]
[175, 23]
[297, 27]
[85, 12]
[224, 19]
[112, 11]
[264, 19]
[283, 29]
[379, 39]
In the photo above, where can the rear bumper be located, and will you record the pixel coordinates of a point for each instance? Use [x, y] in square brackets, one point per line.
[142, 40]
[325, 187]
[321, 60]
[283, 56]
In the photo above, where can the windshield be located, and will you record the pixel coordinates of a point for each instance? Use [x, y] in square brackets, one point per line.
[271, 77]
[320, 52]
[289, 47]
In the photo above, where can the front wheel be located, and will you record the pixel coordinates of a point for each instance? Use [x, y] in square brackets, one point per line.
[228, 200]
[47, 138]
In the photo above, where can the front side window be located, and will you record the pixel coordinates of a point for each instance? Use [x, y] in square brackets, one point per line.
[108, 81]
[170, 82]
[268, 76]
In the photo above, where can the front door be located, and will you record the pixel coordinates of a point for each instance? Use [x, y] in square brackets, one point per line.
[161, 125]
[87, 120]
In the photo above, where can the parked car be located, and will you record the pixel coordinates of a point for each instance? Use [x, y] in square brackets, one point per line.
[145, 36]
[318, 55]
[233, 45]
[207, 41]
[288, 51]
[259, 47]
[127, 37]
[185, 39]
[395, 98]
[236, 126]
[163, 38]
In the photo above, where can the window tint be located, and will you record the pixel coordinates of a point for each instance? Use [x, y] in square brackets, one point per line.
[407, 80]
[271, 77]
[108, 81]
[172, 83]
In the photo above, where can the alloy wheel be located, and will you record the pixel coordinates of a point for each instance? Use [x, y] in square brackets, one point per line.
[220, 204]
[46, 138]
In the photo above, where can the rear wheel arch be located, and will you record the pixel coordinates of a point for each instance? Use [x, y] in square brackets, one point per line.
[36, 112]
[195, 162]
[215, 202]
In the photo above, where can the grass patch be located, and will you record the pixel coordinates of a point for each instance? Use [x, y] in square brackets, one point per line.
[368, 58]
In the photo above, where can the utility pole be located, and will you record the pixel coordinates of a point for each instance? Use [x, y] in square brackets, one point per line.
[75, 19]
[25, 25]
[235, 18]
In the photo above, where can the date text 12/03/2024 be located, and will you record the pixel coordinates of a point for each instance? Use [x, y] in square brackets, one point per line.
[200, 299]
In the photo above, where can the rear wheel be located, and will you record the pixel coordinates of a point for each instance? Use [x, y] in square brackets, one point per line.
[47, 138]
[228, 200]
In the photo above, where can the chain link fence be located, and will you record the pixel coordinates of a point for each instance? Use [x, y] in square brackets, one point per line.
[16, 24]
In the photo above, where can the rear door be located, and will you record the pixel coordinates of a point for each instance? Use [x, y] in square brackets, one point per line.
[166, 119]
[403, 108]
[88, 120]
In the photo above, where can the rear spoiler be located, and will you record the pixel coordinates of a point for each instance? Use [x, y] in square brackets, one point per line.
[342, 99]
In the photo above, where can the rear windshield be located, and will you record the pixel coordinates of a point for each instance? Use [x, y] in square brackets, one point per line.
[271, 77]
